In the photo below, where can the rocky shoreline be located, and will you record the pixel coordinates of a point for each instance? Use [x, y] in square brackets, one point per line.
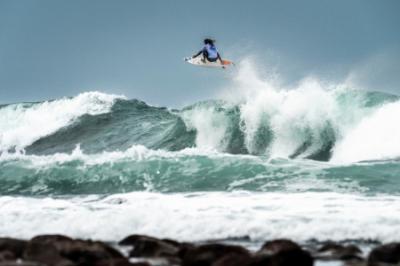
[141, 250]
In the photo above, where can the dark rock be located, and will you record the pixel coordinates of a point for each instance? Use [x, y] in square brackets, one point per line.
[120, 262]
[385, 255]
[289, 257]
[234, 260]
[282, 252]
[145, 246]
[292, 257]
[7, 255]
[278, 245]
[52, 239]
[172, 242]
[45, 253]
[21, 263]
[81, 252]
[62, 243]
[131, 240]
[261, 260]
[205, 255]
[15, 246]
[86, 252]
[335, 251]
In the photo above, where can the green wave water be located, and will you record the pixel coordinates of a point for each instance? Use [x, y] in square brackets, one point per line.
[304, 164]
[112, 145]
[109, 173]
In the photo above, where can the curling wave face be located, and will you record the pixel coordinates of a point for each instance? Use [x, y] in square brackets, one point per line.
[277, 141]
[337, 125]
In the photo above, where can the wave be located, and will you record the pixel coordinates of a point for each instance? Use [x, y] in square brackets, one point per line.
[23, 124]
[312, 121]
[189, 170]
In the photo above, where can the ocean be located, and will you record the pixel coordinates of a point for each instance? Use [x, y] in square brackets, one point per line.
[309, 164]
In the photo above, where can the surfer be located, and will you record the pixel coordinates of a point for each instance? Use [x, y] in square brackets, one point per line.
[209, 52]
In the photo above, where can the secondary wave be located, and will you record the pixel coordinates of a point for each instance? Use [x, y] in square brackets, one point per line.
[188, 170]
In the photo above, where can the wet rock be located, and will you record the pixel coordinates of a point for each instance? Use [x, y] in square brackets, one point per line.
[131, 240]
[282, 252]
[15, 246]
[81, 252]
[145, 246]
[205, 255]
[291, 257]
[234, 260]
[335, 251]
[86, 252]
[278, 245]
[57, 240]
[21, 263]
[388, 254]
[7, 255]
[120, 262]
[45, 253]
[172, 242]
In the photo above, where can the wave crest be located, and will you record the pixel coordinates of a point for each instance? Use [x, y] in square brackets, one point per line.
[313, 121]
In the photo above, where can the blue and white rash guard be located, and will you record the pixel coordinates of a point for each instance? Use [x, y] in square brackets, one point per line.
[211, 50]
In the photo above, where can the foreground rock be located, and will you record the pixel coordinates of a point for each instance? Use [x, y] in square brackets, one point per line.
[146, 246]
[385, 255]
[141, 250]
[206, 255]
[81, 251]
[284, 252]
[11, 247]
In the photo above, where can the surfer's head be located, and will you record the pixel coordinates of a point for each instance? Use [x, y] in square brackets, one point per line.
[209, 41]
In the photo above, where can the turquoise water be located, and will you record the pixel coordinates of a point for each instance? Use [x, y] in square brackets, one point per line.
[287, 158]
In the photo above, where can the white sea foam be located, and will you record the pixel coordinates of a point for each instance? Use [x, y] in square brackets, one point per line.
[299, 115]
[202, 216]
[22, 124]
[134, 153]
[211, 127]
[376, 137]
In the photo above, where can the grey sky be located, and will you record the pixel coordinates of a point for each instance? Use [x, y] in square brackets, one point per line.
[54, 48]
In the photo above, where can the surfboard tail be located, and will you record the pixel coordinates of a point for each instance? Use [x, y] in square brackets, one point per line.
[227, 62]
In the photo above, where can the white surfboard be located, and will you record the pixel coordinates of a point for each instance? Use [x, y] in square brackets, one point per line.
[198, 62]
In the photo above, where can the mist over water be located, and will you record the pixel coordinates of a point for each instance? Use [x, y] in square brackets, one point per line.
[261, 153]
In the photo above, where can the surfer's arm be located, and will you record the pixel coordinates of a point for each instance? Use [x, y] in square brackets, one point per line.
[196, 55]
[220, 59]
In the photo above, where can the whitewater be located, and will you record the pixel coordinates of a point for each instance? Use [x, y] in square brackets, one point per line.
[316, 161]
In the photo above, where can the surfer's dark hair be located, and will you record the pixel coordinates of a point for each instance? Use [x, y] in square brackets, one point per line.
[209, 41]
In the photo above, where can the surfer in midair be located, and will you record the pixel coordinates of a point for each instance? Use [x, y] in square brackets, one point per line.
[209, 52]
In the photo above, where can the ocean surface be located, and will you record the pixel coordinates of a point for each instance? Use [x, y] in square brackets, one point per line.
[311, 163]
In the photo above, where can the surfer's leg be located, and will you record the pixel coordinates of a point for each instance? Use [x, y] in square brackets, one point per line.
[205, 56]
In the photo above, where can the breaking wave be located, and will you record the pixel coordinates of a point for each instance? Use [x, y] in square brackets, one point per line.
[257, 136]
[338, 125]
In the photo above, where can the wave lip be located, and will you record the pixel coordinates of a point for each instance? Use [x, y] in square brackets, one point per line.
[308, 122]
[22, 124]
